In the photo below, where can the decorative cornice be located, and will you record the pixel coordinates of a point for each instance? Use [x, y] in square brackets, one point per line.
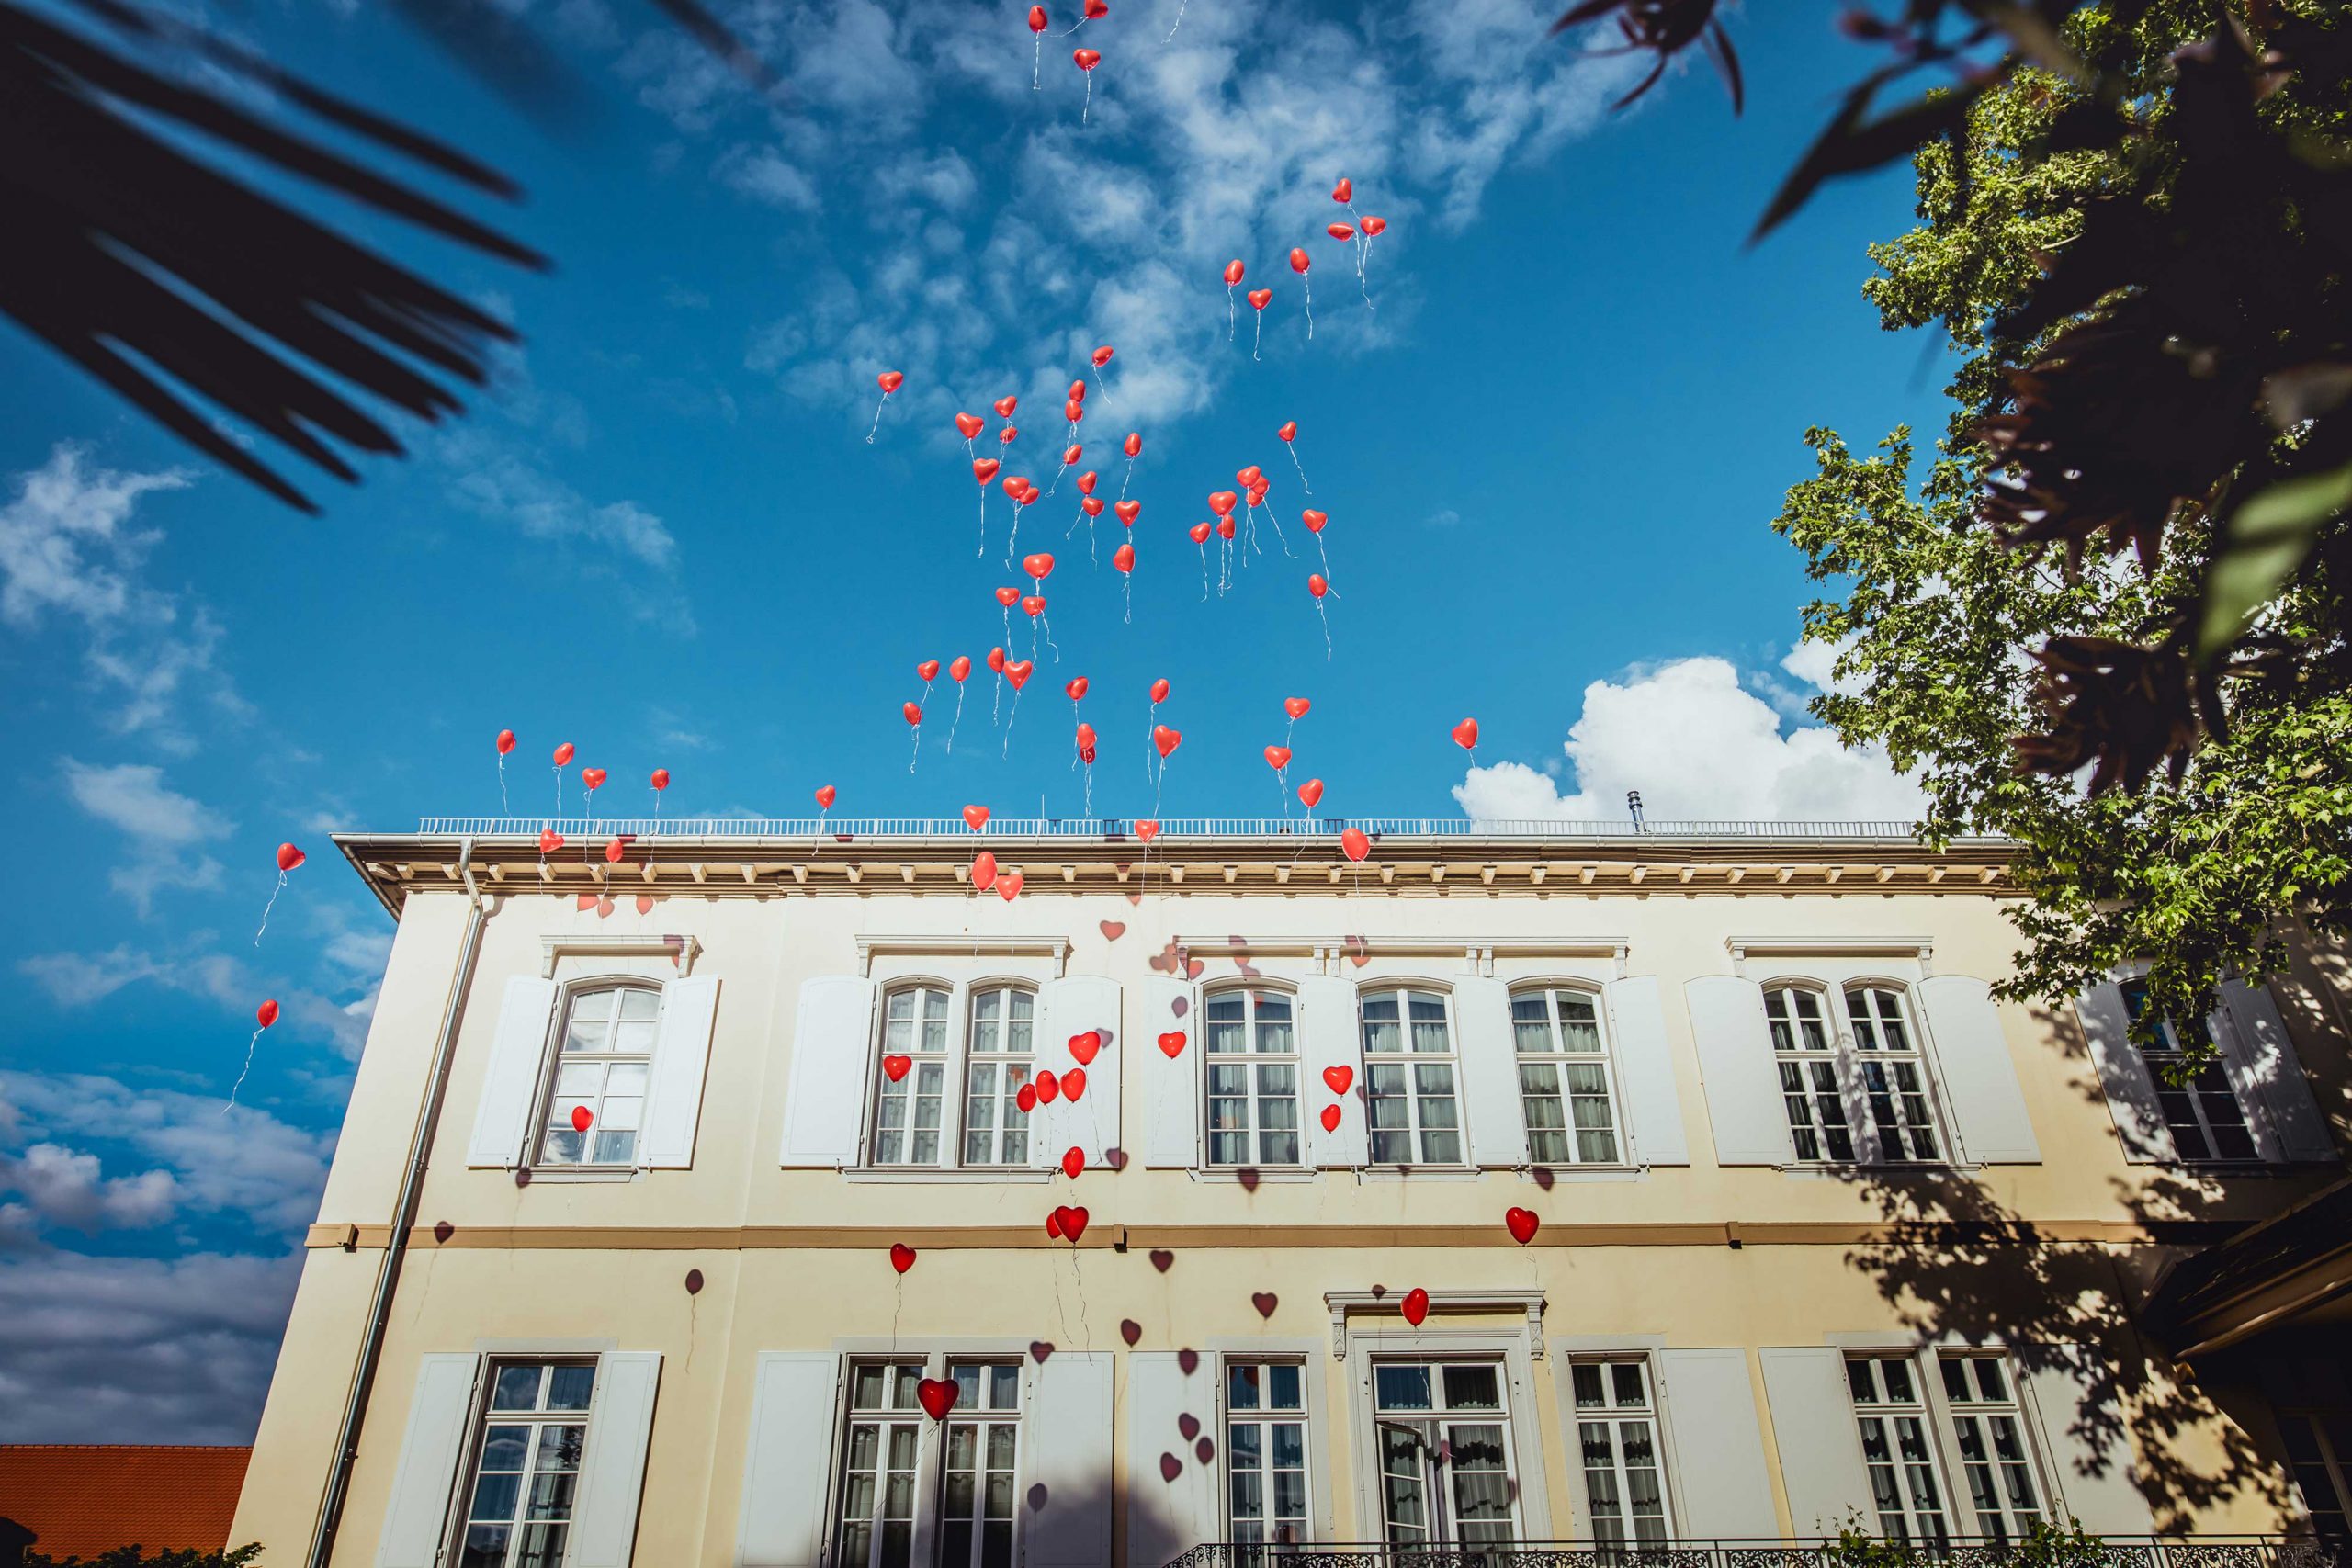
[1528, 1303]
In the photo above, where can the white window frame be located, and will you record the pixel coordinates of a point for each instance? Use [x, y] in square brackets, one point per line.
[1416, 1130]
[1788, 1031]
[1616, 1417]
[984, 1416]
[482, 1416]
[1265, 1417]
[1556, 1057]
[1251, 993]
[2195, 1097]
[1437, 1477]
[1923, 1524]
[554, 1058]
[1013, 1069]
[1878, 1054]
[1850, 1091]
[1975, 1415]
[928, 1489]
[956, 1032]
[907, 1091]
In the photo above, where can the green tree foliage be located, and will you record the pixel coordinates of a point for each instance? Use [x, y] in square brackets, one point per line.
[161, 1556]
[1994, 631]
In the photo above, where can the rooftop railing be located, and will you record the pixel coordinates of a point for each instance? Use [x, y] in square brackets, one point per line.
[2110, 1551]
[1122, 828]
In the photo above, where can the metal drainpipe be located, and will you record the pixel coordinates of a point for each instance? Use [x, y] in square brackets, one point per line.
[420, 1150]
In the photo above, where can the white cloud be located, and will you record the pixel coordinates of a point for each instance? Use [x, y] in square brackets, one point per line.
[239, 1160]
[69, 547]
[163, 826]
[65, 1187]
[81, 979]
[766, 175]
[1697, 745]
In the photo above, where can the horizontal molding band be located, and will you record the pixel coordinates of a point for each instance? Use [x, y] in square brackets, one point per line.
[1712, 1234]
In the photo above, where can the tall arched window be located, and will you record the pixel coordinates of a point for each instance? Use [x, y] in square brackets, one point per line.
[1250, 1051]
[1410, 1095]
[914, 1076]
[1894, 1075]
[603, 1059]
[1002, 1053]
[1807, 1059]
[1564, 1088]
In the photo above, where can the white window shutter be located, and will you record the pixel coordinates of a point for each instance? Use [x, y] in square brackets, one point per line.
[416, 1521]
[1070, 1007]
[824, 1107]
[1743, 1088]
[2270, 1078]
[1168, 1517]
[2124, 1074]
[1644, 1063]
[787, 1466]
[1171, 1085]
[509, 1085]
[1972, 1053]
[1482, 1034]
[1722, 1488]
[2075, 1402]
[1065, 1492]
[1329, 1036]
[612, 1468]
[681, 1056]
[1821, 1449]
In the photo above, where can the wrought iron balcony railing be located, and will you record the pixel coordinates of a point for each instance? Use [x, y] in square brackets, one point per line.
[2111, 1552]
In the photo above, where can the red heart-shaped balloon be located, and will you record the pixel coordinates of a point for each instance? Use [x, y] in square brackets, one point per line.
[1073, 1083]
[1092, 506]
[1086, 1046]
[1340, 230]
[1128, 512]
[1049, 1087]
[1086, 482]
[1026, 1099]
[581, 1118]
[1007, 597]
[1172, 1043]
[1262, 297]
[996, 655]
[1310, 794]
[1222, 502]
[1102, 354]
[912, 710]
[1077, 391]
[984, 468]
[1124, 558]
[1133, 445]
[1070, 454]
[825, 796]
[1005, 405]
[1019, 671]
[903, 1257]
[1344, 192]
[1415, 1306]
[1073, 1223]
[1095, 11]
[976, 818]
[1289, 431]
[891, 381]
[1339, 1079]
[1331, 1118]
[1200, 533]
[592, 777]
[969, 425]
[937, 1395]
[1314, 520]
[563, 754]
[1054, 1221]
[1088, 58]
[1074, 688]
[1465, 734]
[1147, 828]
[1299, 261]
[1278, 756]
[1073, 1161]
[1073, 410]
[959, 666]
[1015, 486]
[1355, 844]
[928, 670]
[1522, 1224]
[549, 840]
[1040, 565]
[1008, 885]
[1225, 527]
[1250, 477]
[1165, 739]
[1033, 604]
[617, 851]
[1375, 227]
[289, 856]
[893, 1068]
[1296, 706]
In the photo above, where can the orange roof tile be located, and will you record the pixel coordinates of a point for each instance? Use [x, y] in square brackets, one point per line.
[85, 1498]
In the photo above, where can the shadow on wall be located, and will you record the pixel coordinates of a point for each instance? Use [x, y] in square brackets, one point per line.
[1963, 1264]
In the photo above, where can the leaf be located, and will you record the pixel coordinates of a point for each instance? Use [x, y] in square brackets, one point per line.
[2261, 545]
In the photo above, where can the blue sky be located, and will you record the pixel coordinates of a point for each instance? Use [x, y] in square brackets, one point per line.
[1549, 457]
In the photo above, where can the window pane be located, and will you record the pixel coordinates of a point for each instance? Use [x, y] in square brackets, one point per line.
[516, 1388]
[569, 1387]
[1402, 1387]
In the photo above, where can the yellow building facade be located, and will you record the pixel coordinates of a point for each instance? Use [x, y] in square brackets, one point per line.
[1506, 1197]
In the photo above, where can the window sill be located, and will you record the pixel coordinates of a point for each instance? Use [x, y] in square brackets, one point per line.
[1231, 1175]
[1879, 1168]
[1418, 1173]
[583, 1175]
[1571, 1175]
[938, 1176]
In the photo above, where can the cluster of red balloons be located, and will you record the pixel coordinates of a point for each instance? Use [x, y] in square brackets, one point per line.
[1360, 234]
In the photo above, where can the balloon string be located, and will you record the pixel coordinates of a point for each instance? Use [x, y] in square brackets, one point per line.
[249, 1046]
[1088, 107]
[1326, 629]
[1293, 449]
[1180, 22]
[265, 908]
[1128, 586]
[558, 794]
[1089, 789]
[1272, 517]
[997, 698]
[1308, 284]
[1047, 621]
[1092, 558]
[877, 419]
[1204, 574]
[984, 524]
[918, 751]
[503, 809]
[1012, 541]
[1008, 722]
[1036, 61]
[1085, 1329]
[1128, 480]
[957, 720]
[1232, 320]
[1257, 333]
